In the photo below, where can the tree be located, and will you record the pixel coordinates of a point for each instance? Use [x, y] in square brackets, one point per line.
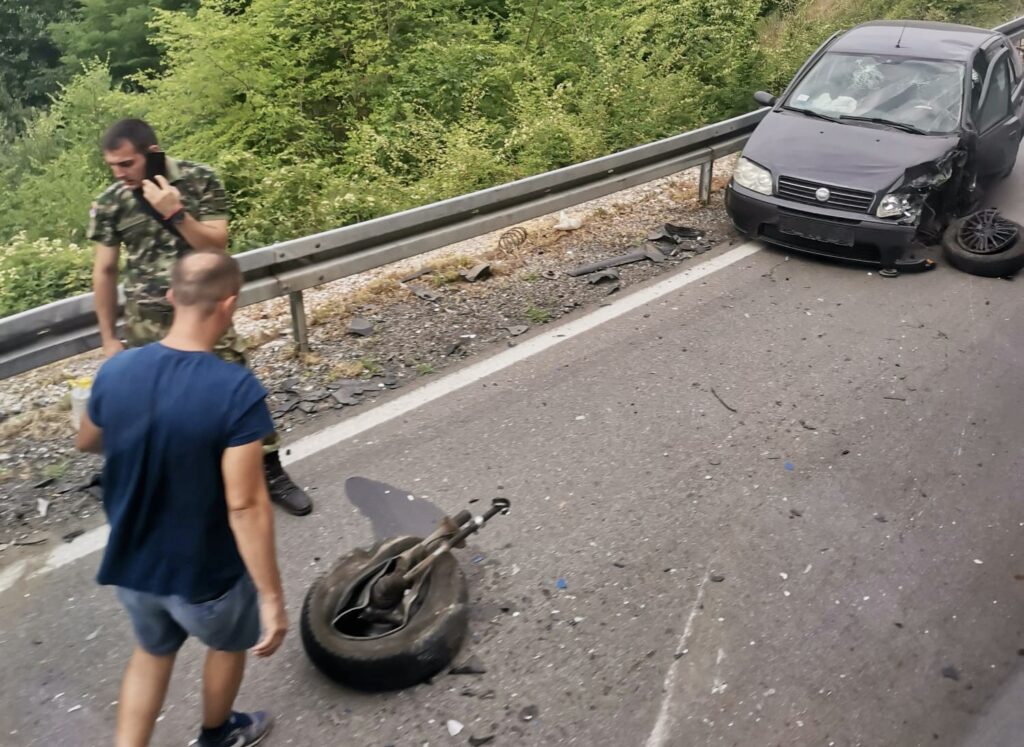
[29, 61]
[114, 30]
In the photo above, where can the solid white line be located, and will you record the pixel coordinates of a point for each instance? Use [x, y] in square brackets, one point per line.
[353, 426]
[88, 543]
[96, 539]
[10, 575]
[659, 734]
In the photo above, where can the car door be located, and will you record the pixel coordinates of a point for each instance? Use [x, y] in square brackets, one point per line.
[996, 113]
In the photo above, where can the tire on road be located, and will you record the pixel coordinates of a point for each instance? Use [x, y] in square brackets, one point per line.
[1001, 264]
[425, 646]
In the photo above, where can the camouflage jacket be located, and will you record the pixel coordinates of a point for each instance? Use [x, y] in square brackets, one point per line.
[117, 220]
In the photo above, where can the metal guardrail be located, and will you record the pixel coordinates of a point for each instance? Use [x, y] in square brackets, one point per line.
[65, 328]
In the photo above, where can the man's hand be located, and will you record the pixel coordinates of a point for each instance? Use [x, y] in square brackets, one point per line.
[162, 195]
[112, 347]
[274, 621]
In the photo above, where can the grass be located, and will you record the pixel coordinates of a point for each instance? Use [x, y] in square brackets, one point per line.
[424, 369]
[530, 277]
[56, 471]
[538, 315]
[371, 366]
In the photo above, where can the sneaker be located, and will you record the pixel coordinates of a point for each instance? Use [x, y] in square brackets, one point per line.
[241, 730]
[283, 491]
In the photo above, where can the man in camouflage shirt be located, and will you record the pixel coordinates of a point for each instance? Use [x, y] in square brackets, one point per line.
[156, 222]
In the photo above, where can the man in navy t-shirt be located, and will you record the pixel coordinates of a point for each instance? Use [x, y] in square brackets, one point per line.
[191, 548]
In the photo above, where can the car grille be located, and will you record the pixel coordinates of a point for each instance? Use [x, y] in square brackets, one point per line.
[841, 198]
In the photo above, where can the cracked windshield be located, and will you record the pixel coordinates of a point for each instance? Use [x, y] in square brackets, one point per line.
[924, 94]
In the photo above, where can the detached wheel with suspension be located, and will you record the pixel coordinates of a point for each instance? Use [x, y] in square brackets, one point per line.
[986, 244]
[367, 648]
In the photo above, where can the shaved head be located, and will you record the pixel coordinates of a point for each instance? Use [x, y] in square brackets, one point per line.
[204, 279]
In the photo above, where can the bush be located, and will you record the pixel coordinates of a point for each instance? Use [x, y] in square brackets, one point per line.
[33, 273]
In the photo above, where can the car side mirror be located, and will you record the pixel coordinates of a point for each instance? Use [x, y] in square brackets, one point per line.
[765, 99]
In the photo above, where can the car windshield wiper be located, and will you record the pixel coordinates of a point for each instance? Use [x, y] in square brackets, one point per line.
[810, 113]
[886, 122]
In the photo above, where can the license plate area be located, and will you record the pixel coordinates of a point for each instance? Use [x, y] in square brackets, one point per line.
[816, 230]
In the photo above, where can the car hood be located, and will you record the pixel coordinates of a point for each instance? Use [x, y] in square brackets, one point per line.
[863, 157]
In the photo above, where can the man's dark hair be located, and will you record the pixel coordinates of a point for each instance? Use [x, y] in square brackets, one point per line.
[135, 131]
[204, 279]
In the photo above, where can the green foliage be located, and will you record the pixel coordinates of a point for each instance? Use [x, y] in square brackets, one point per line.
[319, 113]
[37, 272]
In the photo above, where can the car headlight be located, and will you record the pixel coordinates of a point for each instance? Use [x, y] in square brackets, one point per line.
[907, 206]
[757, 178]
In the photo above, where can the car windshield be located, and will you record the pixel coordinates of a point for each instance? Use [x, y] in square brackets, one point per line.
[925, 95]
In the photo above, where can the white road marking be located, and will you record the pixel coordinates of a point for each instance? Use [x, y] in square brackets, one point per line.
[351, 427]
[660, 732]
[96, 539]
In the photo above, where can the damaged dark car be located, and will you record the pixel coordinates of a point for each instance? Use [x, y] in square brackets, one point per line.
[886, 134]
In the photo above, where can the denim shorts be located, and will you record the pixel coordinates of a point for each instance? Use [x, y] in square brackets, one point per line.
[231, 622]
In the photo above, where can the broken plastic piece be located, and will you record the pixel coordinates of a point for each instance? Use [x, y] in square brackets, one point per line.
[477, 272]
[454, 727]
[424, 293]
[675, 234]
[561, 584]
[622, 259]
[517, 330]
[550, 274]
[604, 276]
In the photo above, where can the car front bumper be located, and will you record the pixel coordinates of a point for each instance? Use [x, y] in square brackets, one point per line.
[852, 237]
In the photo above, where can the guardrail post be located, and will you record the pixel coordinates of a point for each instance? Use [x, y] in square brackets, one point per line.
[300, 331]
[706, 172]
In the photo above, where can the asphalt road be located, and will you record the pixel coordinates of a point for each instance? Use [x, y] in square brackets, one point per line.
[862, 504]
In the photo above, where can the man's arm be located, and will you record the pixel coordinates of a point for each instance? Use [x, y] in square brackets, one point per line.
[204, 235]
[89, 437]
[207, 235]
[104, 287]
[252, 522]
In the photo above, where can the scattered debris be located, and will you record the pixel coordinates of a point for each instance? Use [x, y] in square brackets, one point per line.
[655, 255]
[789, 466]
[880, 518]
[896, 399]
[561, 584]
[360, 326]
[346, 397]
[529, 713]
[808, 426]
[717, 578]
[518, 329]
[309, 407]
[480, 741]
[950, 672]
[722, 401]
[45, 483]
[675, 234]
[73, 535]
[472, 665]
[30, 543]
[454, 348]
[550, 274]
[477, 272]
[94, 634]
[454, 727]
[42, 507]
[567, 222]
[795, 513]
[617, 564]
[979, 562]
[605, 264]
[512, 239]
[425, 293]
[604, 276]
[416, 275]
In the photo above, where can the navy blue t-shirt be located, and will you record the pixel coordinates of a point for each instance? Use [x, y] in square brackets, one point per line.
[167, 416]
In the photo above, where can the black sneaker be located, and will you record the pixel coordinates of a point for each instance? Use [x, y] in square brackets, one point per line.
[283, 491]
[241, 730]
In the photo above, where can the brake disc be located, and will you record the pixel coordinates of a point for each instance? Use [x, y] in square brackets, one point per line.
[987, 232]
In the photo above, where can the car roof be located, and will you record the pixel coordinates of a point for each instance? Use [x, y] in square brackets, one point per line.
[937, 41]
